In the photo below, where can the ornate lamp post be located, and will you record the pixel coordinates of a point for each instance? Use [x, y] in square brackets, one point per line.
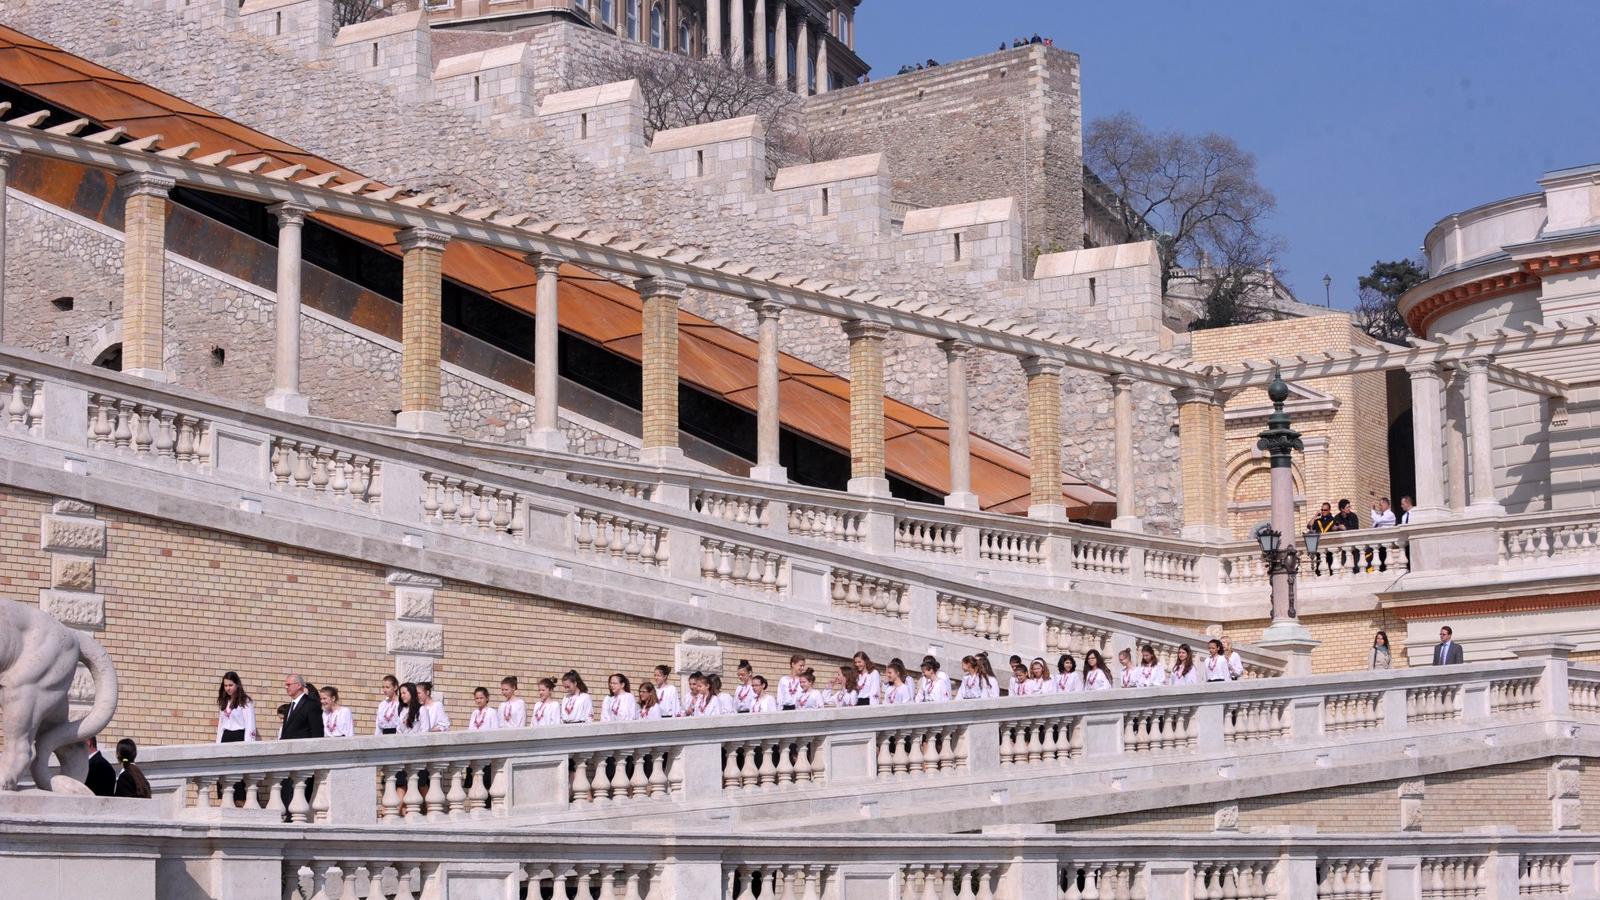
[1285, 634]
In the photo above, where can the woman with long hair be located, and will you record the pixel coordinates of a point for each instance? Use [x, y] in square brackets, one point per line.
[337, 721]
[1382, 657]
[1096, 674]
[1216, 664]
[386, 718]
[1149, 672]
[744, 696]
[1019, 674]
[869, 684]
[975, 684]
[897, 689]
[411, 718]
[236, 713]
[576, 706]
[1067, 680]
[131, 782]
[432, 708]
[1184, 671]
[666, 692]
[1038, 680]
[546, 708]
[934, 686]
[842, 694]
[808, 697]
[719, 702]
[649, 701]
[620, 705]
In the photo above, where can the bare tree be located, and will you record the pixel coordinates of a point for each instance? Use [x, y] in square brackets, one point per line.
[679, 90]
[1199, 194]
[350, 12]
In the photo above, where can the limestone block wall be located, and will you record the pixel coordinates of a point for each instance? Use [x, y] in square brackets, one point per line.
[1003, 124]
[301, 27]
[394, 50]
[56, 255]
[982, 240]
[727, 159]
[491, 85]
[387, 133]
[604, 124]
[1522, 447]
[1574, 479]
[185, 604]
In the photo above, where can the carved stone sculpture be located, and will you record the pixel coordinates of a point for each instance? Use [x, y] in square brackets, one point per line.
[38, 657]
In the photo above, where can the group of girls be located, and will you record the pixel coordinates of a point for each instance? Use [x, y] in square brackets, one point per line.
[412, 708]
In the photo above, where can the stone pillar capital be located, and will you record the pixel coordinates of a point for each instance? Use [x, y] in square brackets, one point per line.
[1187, 395]
[659, 286]
[1475, 364]
[289, 213]
[767, 308]
[1041, 365]
[1121, 382]
[145, 184]
[8, 155]
[545, 263]
[1424, 370]
[422, 239]
[955, 348]
[859, 329]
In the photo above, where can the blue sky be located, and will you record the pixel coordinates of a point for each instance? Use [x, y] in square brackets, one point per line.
[1369, 121]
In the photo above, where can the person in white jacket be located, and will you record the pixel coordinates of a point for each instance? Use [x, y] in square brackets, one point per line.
[513, 712]
[934, 686]
[483, 716]
[1150, 672]
[1096, 674]
[1067, 680]
[977, 678]
[620, 705]
[666, 692]
[546, 709]
[337, 720]
[576, 707]
[1184, 670]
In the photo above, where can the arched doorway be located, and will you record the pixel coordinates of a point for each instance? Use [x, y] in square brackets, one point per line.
[1402, 458]
[110, 358]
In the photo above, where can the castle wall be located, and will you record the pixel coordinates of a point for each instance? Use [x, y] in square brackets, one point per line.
[1003, 124]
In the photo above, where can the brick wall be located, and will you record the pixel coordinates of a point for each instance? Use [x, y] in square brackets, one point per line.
[1346, 637]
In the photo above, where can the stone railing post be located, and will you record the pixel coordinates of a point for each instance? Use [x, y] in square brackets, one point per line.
[1556, 652]
[983, 748]
[1402, 878]
[1305, 717]
[242, 453]
[924, 608]
[1208, 724]
[1168, 878]
[1058, 552]
[1027, 633]
[538, 783]
[851, 757]
[1500, 873]
[858, 881]
[1102, 734]
[1136, 557]
[1475, 701]
[878, 525]
[352, 796]
[702, 771]
[810, 583]
[689, 876]
[403, 491]
[1208, 571]
[1034, 871]
[66, 414]
[1394, 710]
[1585, 876]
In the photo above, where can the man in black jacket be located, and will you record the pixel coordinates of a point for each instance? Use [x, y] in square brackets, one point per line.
[305, 713]
[102, 777]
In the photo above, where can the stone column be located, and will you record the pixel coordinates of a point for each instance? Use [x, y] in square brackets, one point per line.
[780, 45]
[802, 50]
[1044, 437]
[866, 407]
[144, 257]
[1455, 441]
[767, 467]
[421, 271]
[285, 395]
[546, 434]
[961, 495]
[7, 157]
[736, 51]
[822, 62]
[659, 429]
[713, 28]
[1200, 430]
[1426, 389]
[760, 29]
[1480, 443]
[1122, 416]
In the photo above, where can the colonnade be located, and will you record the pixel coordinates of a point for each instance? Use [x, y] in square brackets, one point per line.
[807, 66]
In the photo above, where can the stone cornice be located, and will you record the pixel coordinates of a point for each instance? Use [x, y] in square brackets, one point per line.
[1424, 311]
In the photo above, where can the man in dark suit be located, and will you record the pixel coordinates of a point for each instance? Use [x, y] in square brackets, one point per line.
[1447, 652]
[102, 777]
[305, 713]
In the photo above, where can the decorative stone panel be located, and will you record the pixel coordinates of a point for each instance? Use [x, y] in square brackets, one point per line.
[76, 540]
[72, 573]
[696, 651]
[1566, 809]
[75, 534]
[1411, 804]
[75, 608]
[413, 638]
[1226, 818]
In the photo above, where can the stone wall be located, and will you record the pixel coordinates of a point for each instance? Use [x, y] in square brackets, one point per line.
[1003, 124]
[350, 373]
[184, 604]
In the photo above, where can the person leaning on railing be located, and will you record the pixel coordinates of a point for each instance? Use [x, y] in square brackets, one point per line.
[1380, 651]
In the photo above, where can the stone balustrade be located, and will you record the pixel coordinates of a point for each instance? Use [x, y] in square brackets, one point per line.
[827, 523]
[1433, 703]
[621, 539]
[922, 750]
[235, 859]
[732, 507]
[332, 474]
[23, 402]
[1048, 739]
[142, 429]
[987, 621]
[925, 536]
[740, 566]
[781, 763]
[859, 592]
[1343, 713]
[625, 775]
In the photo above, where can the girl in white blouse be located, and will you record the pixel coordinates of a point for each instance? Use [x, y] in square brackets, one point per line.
[789, 684]
[977, 678]
[666, 692]
[546, 708]
[484, 717]
[934, 687]
[842, 694]
[744, 696]
[649, 702]
[869, 683]
[1019, 674]
[336, 720]
[386, 719]
[576, 707]
[1096, 675]
[513, 712]
[412, 718]
[1184, 671]
[236, 713]
[1038, 678]
[807, 696]
[432, 709]
[719, 702]
[1067, 680]
[897, 690]
[765, 702]
[620, 705]
[1128, 677]
[1150, 672]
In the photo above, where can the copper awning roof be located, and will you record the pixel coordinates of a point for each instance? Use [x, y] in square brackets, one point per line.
[712, 359]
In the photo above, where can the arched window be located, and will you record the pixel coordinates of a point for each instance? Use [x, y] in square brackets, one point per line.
[844, 30]
[606, 13]
[685, 31]
[772, 43]
[811, 82]
[632, 20]
[110, 358]
[658, 28]
[794, 63]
